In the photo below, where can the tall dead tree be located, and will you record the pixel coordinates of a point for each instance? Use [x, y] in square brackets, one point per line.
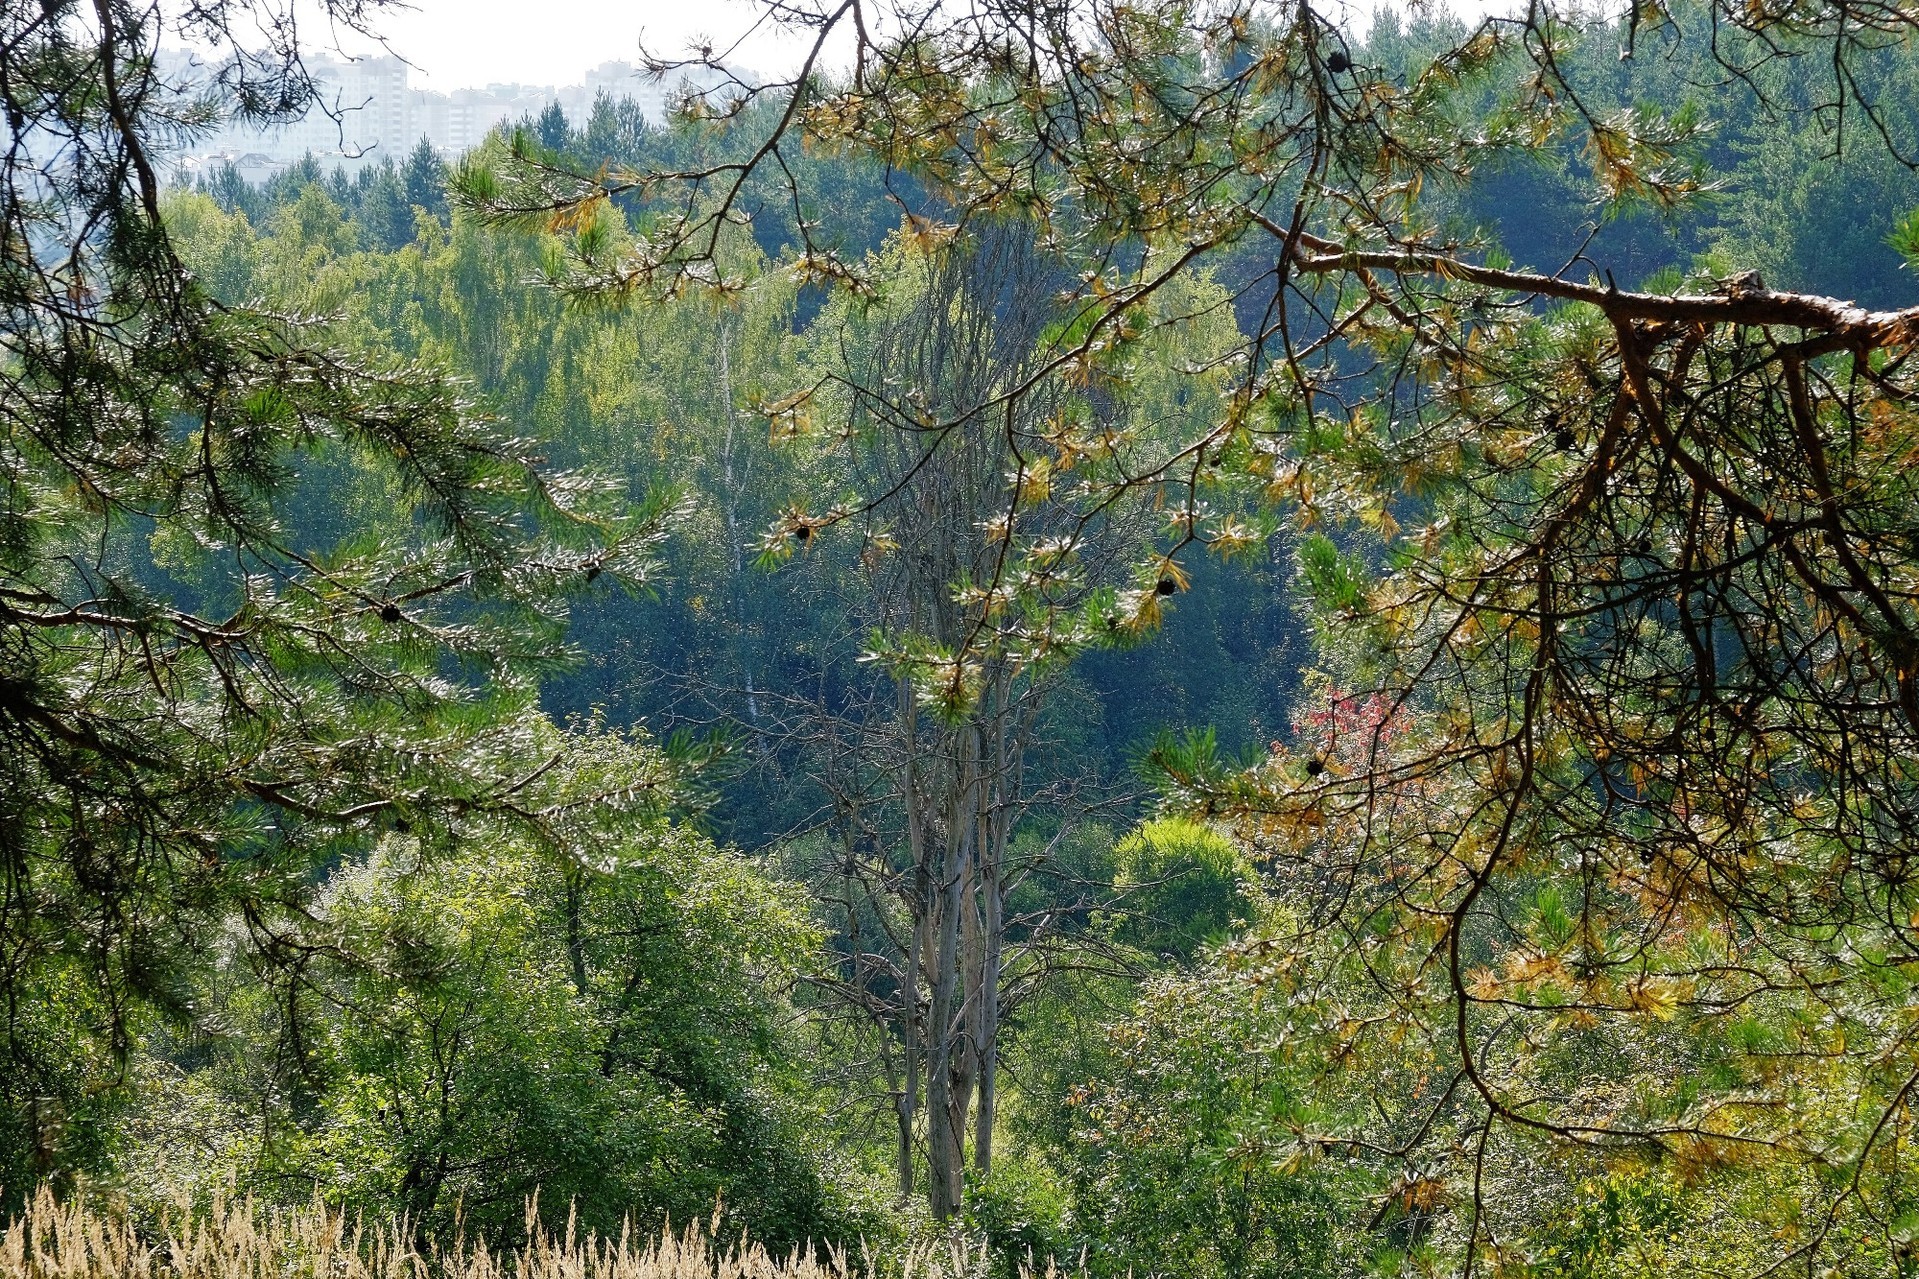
[931, 772]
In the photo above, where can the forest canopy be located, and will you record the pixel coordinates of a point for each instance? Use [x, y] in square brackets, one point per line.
[1174, 636]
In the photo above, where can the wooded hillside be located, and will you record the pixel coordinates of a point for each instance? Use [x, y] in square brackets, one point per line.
[1168, 637]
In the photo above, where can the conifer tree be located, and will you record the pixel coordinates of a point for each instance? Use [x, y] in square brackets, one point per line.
[1620, 601]
[212, 679]
[424, 176]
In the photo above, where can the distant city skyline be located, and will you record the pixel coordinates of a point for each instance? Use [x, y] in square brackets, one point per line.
[453, 45]
[370, 109]
[471, 44]
[451, 70]
[463, 44]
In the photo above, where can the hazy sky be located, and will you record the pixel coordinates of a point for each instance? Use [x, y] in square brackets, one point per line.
[456, 44]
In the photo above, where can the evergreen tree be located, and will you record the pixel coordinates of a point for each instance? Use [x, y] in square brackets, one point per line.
[233, 192]
[289, 182]
[385, 216]
[613, 128]
[424, 177]
[212, 683]
[552, 128]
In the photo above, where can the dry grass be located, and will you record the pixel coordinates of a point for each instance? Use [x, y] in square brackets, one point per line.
[240, 1240]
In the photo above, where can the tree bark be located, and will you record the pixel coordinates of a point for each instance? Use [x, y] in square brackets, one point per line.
[945, 1068]
[992, 928]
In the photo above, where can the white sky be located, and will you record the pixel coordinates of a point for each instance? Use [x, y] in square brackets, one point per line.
[458, 44]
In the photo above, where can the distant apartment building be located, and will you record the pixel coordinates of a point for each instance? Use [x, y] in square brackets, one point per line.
[366, 110]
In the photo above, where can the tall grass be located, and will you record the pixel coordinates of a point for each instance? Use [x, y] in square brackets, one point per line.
[240, 1240]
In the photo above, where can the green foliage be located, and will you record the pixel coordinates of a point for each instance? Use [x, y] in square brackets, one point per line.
[267, 591]
[1192, 1152]
[609, 1039]
[303, 889]
[480, 1024]
[1019, 1213]
[1619, 1218]
[1337, 580]
[1180, 884]
[1905, 237]
[423, 177]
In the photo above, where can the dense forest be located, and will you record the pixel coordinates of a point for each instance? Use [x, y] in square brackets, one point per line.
[1168, 639]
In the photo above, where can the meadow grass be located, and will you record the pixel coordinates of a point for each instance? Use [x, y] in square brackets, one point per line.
[239, 1239]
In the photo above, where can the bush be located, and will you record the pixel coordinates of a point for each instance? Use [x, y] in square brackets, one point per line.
[1182, 885]
[475, 1027]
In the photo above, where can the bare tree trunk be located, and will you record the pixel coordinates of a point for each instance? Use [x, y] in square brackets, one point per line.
[965, 1050]
[993, 833]
[1013, 726]
[945, 1067]
[942, 1159]
[920, 905]
[981, 791]
[986, 1039]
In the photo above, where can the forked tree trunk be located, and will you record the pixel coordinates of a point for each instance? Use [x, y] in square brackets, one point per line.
[957, 780]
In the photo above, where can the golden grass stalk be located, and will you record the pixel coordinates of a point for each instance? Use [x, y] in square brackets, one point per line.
[239, 1239]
